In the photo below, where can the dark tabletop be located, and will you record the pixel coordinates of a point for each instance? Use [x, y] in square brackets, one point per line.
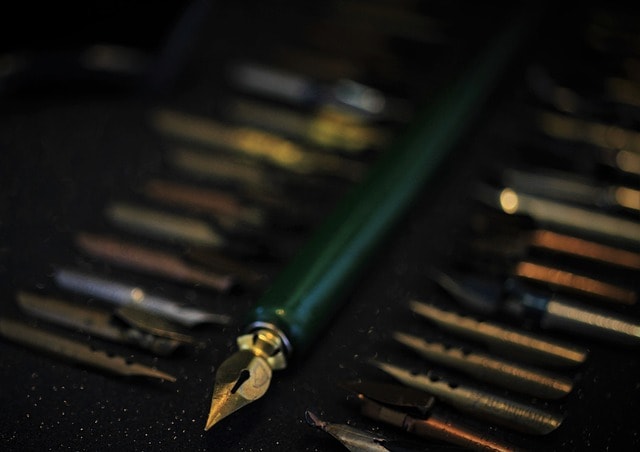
[73, 140]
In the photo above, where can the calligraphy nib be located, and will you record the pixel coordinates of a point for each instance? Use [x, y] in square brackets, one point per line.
[245, 376]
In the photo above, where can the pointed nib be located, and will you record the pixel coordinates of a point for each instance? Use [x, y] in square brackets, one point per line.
[211, 421]
[314, 420]
[241, 379]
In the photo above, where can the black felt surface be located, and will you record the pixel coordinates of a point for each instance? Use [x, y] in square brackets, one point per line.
[66, 154]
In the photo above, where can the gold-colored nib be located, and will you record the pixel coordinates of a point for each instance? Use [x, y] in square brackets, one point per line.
[245, 376]
[241, 379]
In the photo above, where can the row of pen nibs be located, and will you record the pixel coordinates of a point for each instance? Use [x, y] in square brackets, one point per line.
[481, 388]
[565, 220]
[237, 191]
[552, 255]
[514, 344]
[244, 184]
[546, 270]
[220, 239]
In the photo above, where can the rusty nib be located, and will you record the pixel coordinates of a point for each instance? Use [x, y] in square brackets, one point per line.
[245, 376]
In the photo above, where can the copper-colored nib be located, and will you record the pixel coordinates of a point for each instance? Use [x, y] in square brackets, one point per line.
[574, 282]
[150, 261]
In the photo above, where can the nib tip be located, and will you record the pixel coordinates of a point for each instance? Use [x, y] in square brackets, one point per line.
[311, 418]
[241, 379]
[210, 423]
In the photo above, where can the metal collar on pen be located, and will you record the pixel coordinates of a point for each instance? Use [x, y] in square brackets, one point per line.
[287, 348]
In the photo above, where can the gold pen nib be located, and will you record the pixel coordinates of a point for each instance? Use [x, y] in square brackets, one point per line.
[241, 379]
[245, 376]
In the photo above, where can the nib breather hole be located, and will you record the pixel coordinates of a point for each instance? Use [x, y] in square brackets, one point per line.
[244, 376]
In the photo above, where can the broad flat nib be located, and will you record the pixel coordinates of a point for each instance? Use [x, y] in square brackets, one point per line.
[245, 376]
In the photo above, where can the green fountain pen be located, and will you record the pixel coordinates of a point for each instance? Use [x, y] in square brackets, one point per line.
[304, 297]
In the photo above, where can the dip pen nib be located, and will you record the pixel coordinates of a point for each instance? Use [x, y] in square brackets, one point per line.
[245, 376]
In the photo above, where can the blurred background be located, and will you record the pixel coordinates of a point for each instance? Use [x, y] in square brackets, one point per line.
[189, 149]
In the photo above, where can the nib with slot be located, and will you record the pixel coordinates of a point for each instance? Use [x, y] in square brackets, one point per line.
[510, 413]
[245, 376]
[519, 343]
[416, 412]
[491, 368]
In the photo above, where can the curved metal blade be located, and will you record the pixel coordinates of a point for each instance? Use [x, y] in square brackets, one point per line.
[353, 439]
[392, 394]
[241, 379]
[474, 293]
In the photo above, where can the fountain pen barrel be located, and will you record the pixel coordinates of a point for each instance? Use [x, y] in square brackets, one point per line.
[311, 289]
